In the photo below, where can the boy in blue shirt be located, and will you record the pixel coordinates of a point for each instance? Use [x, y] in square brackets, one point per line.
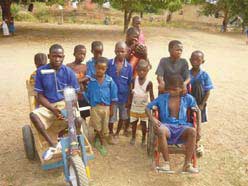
[173, 127]
[102, 94]
[201, 82]
[48, 96]
[121, 72]
[96, 50]
[201, 85]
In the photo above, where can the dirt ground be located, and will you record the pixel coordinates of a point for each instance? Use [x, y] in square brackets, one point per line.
[225, 136]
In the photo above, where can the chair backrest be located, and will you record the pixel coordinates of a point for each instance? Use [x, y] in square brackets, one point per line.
[31, 95]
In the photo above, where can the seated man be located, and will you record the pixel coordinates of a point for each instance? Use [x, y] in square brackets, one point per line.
[174, 128]
[49, 97]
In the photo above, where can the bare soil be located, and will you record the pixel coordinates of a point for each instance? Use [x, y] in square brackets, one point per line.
[225, 136]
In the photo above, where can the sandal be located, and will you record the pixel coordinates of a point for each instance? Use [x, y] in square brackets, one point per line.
[165, 168]
[103, 151]
[188, 168]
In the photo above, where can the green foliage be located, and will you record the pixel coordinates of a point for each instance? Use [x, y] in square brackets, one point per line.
[51, 2]
[42, 12]
[14, 9]
[25, 16]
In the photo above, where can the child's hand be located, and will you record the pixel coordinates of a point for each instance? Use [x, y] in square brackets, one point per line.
[201, 106]
[58, 114]
[156, 123]
[111, 111]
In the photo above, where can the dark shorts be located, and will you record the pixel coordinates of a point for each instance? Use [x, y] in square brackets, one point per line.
[84, 103]
[198, 93]
[175, 133]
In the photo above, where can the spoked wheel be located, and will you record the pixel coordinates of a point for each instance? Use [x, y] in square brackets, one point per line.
[150, 140]
[77, 172]
[28, 141]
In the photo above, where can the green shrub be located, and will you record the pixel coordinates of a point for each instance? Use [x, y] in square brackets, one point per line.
[14, 9]
[41, 12]
[25, 16]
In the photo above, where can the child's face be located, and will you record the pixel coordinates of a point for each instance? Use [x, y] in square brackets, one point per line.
[175, 91]
[176, 51]
[120, 53]
[101, 69]
[196, 60]
[40, 64]
[56, 58]
[136, 23]
[132, 40]
[97, 52]
[80, 55]
[142, 72]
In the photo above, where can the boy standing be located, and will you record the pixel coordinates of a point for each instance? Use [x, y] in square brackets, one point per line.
[121, 72]
[173, 127]
[201, 85]
[173, 65]
[96, 50]
[141, 87]
[135, 50]
[49, 97]
[102, 94]
[80, 71]
[136, 22]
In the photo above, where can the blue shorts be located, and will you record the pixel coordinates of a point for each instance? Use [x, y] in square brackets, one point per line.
[175, 133]
[122, 112]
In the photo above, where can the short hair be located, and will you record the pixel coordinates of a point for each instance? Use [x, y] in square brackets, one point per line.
[55, 47]
[174, 43]
[102, 60]
[40, 59]
[174, 81]
[133, 32]
[79, 47]
[135, 18]
[121, 43]
[143, 63]
[96, 44]
[198, 52]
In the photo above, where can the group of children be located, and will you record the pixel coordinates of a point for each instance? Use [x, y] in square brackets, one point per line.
[8, 27]
[118, 85]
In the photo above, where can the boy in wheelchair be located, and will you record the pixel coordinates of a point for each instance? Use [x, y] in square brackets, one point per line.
[173, 127]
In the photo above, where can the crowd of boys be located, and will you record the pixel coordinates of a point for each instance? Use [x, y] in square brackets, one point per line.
[120, 85]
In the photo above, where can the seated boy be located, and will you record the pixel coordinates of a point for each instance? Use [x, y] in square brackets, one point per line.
[96, 50]
[80, 70]
[173, 65]
[121, 72]
[49, 97]
[40, 59]
[173, 127]
[102, 94]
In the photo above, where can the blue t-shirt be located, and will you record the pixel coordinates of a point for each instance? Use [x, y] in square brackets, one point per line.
[91, 70]
[46, 83]
[162, 102]
[104, 93]
[203, 78]
[122, 81]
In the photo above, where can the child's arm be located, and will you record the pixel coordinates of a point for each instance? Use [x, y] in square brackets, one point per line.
[156, 123]
[204, 101]
[150, 90]
[130, 96]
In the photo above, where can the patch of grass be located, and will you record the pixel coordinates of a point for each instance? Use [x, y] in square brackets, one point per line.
[25, 16]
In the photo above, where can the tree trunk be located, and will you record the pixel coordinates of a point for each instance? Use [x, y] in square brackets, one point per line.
[169, 17]
[127, 19]
[141, 14]
[225, 21]
[5, 5]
